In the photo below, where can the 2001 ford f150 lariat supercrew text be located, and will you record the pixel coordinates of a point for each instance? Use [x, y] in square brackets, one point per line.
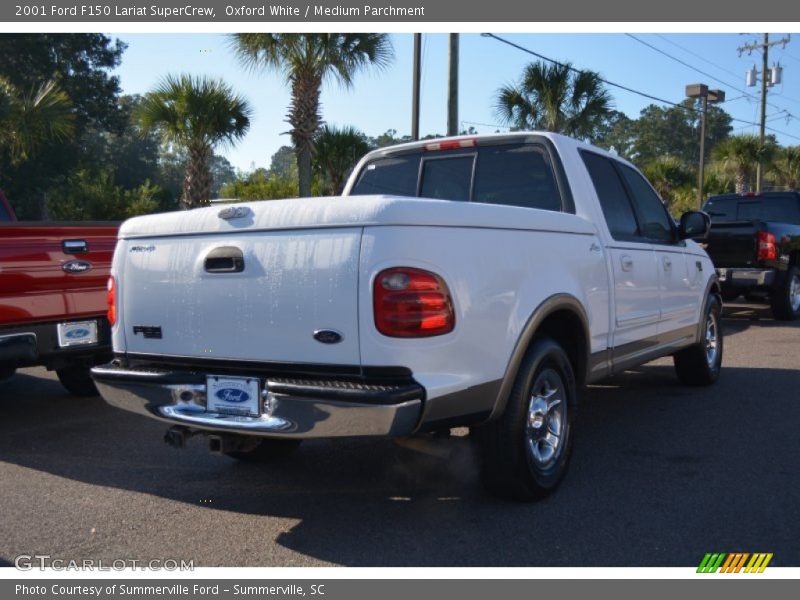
[473, 282]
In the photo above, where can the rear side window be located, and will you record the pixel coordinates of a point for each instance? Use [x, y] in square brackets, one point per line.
[516, 176]
[395, 176]
[510, 174]
[613, 198]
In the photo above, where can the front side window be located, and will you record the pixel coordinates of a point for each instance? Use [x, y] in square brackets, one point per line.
[613, 198]
[655, 222]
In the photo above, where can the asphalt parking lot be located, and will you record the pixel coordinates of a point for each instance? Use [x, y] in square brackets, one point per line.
[661, 474]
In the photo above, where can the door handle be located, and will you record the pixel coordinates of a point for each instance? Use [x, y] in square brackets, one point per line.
[74, 246]
[667, 264]
[627, 263]
[225, 259]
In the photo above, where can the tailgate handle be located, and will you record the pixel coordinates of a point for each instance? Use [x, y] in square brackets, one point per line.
[74, 246]
[226, 259]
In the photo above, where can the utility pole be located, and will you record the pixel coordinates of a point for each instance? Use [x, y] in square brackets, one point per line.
[415, 87]
[452, 88]
[766, 81]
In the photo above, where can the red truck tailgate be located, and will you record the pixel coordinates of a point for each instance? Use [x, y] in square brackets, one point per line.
[40, 281]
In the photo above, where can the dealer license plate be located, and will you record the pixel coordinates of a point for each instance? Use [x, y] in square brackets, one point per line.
[233, 395]
[77, 333]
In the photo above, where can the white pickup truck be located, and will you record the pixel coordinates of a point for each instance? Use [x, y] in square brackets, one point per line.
[473, 281]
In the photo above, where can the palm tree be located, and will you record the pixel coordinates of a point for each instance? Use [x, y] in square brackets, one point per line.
[306, 60]
[555, 98]
[786, 167]
[740, 154]
[336, 153]
[29, 120]
[196, 113]
[668, 174]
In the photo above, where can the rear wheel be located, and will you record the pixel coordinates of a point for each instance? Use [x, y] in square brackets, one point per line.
[77, 380]
[525, 452]
[266, 450]
[786, 298]
[701, 363]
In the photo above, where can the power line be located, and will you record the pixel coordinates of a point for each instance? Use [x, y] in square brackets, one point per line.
[693, 68]
[696, 55]
[619, 85]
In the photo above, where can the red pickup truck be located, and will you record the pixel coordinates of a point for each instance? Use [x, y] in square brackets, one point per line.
[53, 297]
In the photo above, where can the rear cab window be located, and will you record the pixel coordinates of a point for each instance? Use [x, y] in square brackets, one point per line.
[778, 207]
[518, 174]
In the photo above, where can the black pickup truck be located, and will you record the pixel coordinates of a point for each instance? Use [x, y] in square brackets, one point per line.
[755, 245]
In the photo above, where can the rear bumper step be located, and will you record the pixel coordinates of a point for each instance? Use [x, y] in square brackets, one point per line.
[290, 408]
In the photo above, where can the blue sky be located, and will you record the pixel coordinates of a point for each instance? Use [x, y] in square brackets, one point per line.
[382, 100]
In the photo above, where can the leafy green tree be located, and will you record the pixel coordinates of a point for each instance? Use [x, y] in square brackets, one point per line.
[675, 131]
[306, 60]
[615, 133]
[555, 98]
[337, 152]
[260, 185]
[786, 167]
[81, 64]
[284, 163]
[195, 113]
[739, 154]
[94, 195]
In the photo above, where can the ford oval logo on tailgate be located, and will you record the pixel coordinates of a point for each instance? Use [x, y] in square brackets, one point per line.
[232, 395]
[328, 336]
[77, 266]
[76, 334]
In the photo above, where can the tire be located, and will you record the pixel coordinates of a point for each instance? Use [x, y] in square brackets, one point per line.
[266, 450]
[785, 299]
[78, 381]
[524, 453]
[701, 363]
[7, 372]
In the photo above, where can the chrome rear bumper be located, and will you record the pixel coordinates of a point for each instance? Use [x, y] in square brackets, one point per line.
[290, 408]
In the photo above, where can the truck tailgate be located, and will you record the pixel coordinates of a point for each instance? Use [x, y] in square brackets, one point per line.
[181, 296]
[40, 282]
[733, 244]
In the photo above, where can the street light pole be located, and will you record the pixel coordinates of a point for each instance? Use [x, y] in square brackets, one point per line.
[701, 91]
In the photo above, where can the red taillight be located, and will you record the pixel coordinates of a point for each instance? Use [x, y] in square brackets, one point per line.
[767, 247]
[412, 303]
[111, 300]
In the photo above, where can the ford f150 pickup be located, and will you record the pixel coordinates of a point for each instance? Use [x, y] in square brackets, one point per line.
[53, 297]
[755, 244]
[473, 281]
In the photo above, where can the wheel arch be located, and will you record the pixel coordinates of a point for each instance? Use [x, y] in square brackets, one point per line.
[561, 317]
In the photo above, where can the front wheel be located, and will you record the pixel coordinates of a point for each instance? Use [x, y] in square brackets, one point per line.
[786, 298]
[700, 363]
[525, 452]
[77, 380]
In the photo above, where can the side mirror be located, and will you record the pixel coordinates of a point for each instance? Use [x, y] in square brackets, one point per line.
[694, 225]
